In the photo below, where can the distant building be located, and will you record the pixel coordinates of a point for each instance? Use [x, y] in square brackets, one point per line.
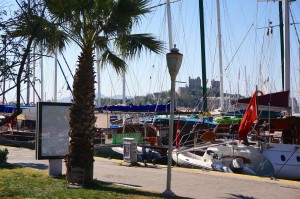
[194, 86]
[215, 84]
[183, 90]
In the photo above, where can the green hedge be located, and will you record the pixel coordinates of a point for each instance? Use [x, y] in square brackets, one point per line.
[3, 155]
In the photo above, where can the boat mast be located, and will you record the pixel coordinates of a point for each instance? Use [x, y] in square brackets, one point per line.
[286, 48]
[201, 15]
[33, 74]
[55, 75]
[281, 42]
[124, 82]
[220, 56]
[124, 98]
[246, 82]
[4, 36]
[169, 24]
[42, 73]
[98, 78]
[28, 81]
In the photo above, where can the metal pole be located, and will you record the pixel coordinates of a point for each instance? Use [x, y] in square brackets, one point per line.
[169, 24]
[281, 42]
[170, 142]
[33, 72]
[55, 75]
[246, 83]
[220, 55]
[124, 98]
[201, 15]
[42, 73]
[286, 48]
[124, 93]
[98, 76]
[28, 82]
[4, 68]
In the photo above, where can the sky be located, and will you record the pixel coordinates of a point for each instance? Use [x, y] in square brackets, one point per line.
[250, 58]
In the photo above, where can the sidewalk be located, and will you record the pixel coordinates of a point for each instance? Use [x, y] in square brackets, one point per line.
[190, 183]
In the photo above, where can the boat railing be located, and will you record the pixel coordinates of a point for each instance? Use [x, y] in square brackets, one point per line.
[203, 146]
[191, 139]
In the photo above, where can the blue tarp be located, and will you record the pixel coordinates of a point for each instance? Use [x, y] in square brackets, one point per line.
[11, 108]
[140, 108]
[207, 120]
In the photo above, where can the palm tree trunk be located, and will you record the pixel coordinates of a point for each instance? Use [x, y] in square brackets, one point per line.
[82, 118]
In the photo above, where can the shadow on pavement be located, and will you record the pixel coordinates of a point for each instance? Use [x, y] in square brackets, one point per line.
[128, 189]
[237, 196]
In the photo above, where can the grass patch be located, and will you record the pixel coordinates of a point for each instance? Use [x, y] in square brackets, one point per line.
[21, 182]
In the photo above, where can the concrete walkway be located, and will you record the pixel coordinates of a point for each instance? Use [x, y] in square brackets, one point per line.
[188, 183]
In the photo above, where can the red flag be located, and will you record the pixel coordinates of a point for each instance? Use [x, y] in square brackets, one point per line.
[178, 133]
[249, 117]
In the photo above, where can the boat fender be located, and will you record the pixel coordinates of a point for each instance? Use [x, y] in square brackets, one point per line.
[215, 156]
[237, 165]
[220, 167]
[209, 152]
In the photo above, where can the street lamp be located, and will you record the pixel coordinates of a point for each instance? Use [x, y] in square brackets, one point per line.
[174, 59]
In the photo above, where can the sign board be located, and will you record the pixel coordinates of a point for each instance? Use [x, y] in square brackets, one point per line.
[103, 120]
[52, 127]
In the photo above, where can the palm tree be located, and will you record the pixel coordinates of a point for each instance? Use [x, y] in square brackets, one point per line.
[105, 25]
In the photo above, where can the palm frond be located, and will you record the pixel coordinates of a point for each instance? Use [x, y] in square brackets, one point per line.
[101, 42]
[124, 14]
[45, 31]
[131, 45]
[108, 57]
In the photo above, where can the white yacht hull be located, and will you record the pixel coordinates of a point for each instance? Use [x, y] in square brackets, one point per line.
[285, 159]
[268, 159]
[190, 160]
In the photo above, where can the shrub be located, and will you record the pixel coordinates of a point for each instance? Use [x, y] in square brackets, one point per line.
[3, 155]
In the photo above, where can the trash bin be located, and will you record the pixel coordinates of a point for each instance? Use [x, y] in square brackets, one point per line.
[130, 151]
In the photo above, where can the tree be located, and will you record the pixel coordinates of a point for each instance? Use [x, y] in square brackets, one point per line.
[104, 25]
[28, 27]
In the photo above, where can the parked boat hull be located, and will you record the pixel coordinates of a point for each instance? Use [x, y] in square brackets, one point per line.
[285, 159]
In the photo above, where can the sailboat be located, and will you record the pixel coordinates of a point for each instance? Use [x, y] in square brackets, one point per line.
[285, 155]
[282, 146]
[279, 160]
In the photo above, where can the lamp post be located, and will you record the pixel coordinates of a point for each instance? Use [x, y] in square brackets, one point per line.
[174, 59]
